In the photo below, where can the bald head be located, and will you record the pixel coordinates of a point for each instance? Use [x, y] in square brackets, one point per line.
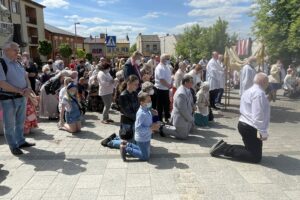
[262, 80]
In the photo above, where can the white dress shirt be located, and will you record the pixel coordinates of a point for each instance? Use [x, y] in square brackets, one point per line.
[246, 78]
[255, 109]
[213, 75]
[162, 72]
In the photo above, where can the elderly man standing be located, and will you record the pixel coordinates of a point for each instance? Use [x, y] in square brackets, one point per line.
[182, 113]
[163, 83]
[213, 69]
[247, 75]
[15, 86]
[253, 124]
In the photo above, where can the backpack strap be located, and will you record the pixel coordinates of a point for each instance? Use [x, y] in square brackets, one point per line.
[4, 66]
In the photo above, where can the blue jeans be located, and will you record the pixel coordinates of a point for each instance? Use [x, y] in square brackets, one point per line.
[14, 114]
[140, 150]
[115, 143]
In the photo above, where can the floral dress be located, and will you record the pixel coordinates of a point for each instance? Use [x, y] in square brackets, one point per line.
[31, 117]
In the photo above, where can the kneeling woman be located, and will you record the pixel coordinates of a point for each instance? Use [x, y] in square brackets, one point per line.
[70, 110]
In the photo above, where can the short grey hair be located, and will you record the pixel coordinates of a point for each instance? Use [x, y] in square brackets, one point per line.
[182, 64]
[147, 86]
[164, 56]
[9, 45]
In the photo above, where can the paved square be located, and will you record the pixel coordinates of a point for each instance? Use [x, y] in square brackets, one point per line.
[64, 166]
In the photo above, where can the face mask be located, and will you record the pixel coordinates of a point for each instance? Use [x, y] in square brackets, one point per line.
[48, 72]
[138, 62]
[168, 62]
[151, 92]
[73, 94]
[149, 105]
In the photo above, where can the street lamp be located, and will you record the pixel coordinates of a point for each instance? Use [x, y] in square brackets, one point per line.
[75, 39]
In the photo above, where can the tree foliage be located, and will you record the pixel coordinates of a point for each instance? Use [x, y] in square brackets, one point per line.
[45, 48]
[199, 42]
[133, 48]
[89, 56]
[65, 50]
[277, 24]
[80, 53]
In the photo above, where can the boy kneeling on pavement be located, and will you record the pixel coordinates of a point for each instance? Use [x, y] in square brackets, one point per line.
[144, 128]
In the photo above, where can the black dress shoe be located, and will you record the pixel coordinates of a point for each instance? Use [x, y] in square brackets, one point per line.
[216, 108]
[161, 133]
[27, 144]
[107, 140]
[219, 150]
[16, 151]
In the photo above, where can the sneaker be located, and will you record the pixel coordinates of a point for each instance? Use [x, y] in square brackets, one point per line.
[26, 144]
[218, 149]
[108, 139]
[123, 152]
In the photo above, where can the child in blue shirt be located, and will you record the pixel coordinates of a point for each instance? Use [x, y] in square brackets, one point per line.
[144, 127]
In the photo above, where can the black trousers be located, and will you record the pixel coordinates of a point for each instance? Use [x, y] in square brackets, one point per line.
[163, 104]
[213, 94]
[252, 151]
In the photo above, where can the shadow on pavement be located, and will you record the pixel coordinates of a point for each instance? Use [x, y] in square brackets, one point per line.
[38, 134]
[285, 164]
[44, 160]
[3, 189]
[88, 135]
[204, 138]
[163, 159]
[282, 115]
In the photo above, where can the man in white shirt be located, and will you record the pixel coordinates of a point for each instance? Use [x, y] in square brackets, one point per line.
[253, 124]
[213, 69]
[163, 83]
[196, 73]
[247, 75]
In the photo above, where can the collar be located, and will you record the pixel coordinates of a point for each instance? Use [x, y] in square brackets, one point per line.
[145, 109]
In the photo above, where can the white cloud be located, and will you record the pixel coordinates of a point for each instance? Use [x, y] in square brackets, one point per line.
[228, 13]
[55, 3]
[214, 3]
[91, 20]
[154, 14]
[105, 2]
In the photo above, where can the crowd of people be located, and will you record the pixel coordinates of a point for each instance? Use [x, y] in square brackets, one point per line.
[152, 96]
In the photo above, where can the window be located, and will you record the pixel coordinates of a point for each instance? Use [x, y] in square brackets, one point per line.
[15, 7]
[155, 47]
[147, 47]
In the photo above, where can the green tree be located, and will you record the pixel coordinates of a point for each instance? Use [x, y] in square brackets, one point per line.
[198, 42]
[133, 48]
[89, 56]
[277, 25]
[65, 50]
[80, 53]
[45, 48]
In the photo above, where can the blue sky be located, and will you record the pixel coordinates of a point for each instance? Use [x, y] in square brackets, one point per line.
[121, 17]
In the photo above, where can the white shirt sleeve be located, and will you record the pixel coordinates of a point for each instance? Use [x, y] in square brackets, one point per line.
[259, 116]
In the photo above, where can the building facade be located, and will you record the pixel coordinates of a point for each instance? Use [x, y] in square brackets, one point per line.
[148, 44]
[57, 36]
[27, 19]
[98, 49]
[168, 44]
